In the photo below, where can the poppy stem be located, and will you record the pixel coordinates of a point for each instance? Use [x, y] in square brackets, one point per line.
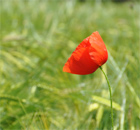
[110, 96]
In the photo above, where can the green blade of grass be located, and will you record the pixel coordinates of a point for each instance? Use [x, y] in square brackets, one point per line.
[106, 102]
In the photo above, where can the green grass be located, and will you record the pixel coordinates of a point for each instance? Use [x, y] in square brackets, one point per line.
[37, 37]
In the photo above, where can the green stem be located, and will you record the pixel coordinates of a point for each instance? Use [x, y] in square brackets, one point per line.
[110, 96]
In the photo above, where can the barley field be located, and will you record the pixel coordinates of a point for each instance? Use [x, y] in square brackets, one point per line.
[36, 39]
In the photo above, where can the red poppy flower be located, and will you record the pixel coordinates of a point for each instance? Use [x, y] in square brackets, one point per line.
[89, 55]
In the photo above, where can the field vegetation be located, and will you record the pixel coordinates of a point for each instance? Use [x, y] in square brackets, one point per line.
[36, 39]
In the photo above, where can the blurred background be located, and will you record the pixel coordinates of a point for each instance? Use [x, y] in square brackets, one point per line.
[36, 39]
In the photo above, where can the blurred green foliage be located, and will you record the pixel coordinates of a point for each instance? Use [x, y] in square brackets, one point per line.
[37, 37]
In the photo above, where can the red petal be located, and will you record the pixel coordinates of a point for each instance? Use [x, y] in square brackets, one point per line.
[98, 51]
[88, 56]
[80, 61]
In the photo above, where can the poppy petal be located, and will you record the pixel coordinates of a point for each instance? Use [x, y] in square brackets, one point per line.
[88, 56]
[98, 51]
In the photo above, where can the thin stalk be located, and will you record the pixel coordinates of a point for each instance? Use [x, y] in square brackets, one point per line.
[110, 96]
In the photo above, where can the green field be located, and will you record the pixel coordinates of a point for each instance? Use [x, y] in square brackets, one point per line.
[36, 39]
